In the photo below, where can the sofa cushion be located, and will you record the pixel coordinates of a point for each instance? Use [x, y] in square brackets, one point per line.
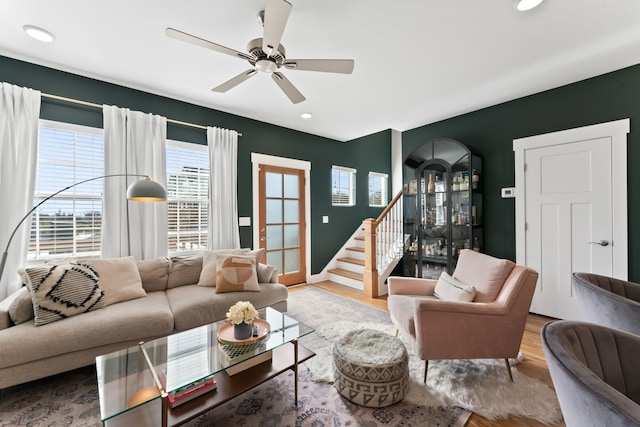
[133, 320]
[485, 273]
[61, 291]
[265, 272]
[21, 308]
[119, 279]
[184, 270]
[208, 275]
[449, 289]
[198, 305]
[154, 273]
[236, 273]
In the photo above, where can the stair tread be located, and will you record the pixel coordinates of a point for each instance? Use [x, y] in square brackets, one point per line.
[355, 249]
[346, 273]
[350, 260]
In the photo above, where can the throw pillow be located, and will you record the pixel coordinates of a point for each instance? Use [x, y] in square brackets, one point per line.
[208, 274]
[236, 273]
[61, 291]
[449, 289]
[21, 308]
[119, 279]
[264, 273]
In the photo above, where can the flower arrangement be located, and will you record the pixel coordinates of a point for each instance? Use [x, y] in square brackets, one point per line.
[242, 311]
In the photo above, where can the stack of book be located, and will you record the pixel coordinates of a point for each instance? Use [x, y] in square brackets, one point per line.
[241, 357]
[187, 393]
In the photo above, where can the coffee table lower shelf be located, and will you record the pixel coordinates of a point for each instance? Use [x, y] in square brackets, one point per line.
[233, 386]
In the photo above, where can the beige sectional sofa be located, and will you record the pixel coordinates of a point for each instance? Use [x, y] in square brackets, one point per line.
[173, 302]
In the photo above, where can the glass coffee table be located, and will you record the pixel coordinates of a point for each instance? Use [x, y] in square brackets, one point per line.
[135, 385]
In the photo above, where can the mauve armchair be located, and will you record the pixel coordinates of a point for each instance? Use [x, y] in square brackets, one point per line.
[608, 301]
[489, 327]
[595, 373]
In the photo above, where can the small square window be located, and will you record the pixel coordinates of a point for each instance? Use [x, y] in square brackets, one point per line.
[343, 186]
[378, 189]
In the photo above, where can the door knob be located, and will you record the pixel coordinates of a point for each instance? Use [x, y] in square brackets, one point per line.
[601, 242]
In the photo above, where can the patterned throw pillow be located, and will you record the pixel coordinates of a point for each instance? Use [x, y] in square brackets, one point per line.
[61, 291]
[209, 273]
[236, 273]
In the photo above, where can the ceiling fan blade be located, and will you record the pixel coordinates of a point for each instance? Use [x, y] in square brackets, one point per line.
[288, 88]
[230, 84]
[182, 36]
[276, 14]
[342, 66]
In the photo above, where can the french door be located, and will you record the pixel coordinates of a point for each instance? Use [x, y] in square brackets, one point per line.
[282, 221]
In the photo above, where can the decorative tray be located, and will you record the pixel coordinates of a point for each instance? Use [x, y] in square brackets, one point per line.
[225, 333]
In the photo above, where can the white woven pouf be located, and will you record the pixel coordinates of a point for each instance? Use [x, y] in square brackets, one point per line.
[371, 368]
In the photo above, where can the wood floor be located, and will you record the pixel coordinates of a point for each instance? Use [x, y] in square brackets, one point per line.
[534, 364]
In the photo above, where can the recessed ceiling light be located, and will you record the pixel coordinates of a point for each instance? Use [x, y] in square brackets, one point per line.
[39, 33]
[306, 115]
[524, 5]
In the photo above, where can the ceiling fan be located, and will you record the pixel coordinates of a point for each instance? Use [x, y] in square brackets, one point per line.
[266, 54]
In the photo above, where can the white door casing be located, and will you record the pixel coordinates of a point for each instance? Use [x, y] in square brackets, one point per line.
[571, 189]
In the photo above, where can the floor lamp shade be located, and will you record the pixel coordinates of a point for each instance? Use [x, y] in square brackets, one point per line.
[144, 190]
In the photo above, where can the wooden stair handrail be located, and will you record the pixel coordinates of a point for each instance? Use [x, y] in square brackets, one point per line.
[370, 276]
[390, 206]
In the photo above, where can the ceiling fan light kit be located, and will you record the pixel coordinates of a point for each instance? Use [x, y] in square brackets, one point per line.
[266, 54]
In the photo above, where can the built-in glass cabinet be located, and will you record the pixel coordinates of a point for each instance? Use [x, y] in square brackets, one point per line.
[443, 206]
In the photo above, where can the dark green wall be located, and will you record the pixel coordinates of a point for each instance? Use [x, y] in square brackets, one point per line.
[256, 137]
[490, 133]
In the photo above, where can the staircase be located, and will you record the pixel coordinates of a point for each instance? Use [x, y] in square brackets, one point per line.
[371, 253]
[349, 268]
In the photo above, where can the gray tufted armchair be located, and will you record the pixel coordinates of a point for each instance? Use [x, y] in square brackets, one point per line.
[610, 302]
[595, 373]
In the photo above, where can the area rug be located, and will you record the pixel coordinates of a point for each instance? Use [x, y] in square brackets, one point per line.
[481, 386]
[71, 399]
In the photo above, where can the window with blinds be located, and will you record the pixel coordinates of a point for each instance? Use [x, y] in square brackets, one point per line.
[378, 194]
[68, 224]
[343, 186]
[187, 196]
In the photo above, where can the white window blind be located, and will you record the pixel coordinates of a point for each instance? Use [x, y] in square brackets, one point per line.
[187, 196]
[378, 193]
[343, 186]
[69, 223]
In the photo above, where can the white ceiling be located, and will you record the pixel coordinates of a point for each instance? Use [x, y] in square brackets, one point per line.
[416, 61]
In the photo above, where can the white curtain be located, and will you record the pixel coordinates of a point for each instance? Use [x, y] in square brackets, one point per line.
[19, 114]
[134, 143]
[223, 200]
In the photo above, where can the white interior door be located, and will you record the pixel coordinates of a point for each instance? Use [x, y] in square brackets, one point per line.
[569, 211]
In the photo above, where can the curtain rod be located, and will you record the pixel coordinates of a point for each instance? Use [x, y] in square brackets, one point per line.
[91, 104]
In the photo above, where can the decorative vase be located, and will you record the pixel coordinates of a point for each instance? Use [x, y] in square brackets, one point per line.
[242, 331]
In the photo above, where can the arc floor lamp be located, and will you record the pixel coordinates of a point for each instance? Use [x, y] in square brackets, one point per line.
[143, 190]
